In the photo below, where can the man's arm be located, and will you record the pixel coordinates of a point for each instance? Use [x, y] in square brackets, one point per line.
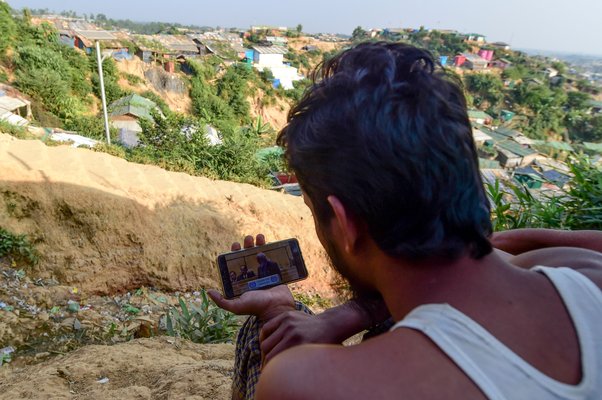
[333, 326]
[520, 241]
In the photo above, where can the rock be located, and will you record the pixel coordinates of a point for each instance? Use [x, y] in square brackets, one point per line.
[68, 322]
[44, 354]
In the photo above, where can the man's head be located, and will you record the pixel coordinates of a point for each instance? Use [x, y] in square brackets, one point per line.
[261, 258]
[386, 132]
[243, 269]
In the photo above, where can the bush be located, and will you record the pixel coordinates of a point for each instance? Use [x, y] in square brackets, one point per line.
[580, 208]
[89, 126]
[17, 131]
[17, 248]
[113, 149]
[158, 100]
[201, 323]
[133, 79]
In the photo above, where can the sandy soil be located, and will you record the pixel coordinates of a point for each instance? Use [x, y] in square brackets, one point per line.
[275, 115]
[298, 43]
[105, 225]
[177, 102]
[158, 368]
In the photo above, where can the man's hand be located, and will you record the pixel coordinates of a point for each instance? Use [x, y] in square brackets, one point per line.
[292, 328]
[265, 304]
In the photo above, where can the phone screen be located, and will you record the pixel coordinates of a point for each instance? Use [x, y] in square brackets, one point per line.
[261, 267]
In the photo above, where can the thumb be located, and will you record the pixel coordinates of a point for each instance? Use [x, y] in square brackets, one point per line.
[229, 305]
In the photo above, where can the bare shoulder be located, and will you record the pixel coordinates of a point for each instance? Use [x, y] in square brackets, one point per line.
[587, 262]
[399, 364]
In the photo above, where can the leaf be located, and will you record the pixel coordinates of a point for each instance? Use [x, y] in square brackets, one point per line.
[184, 308]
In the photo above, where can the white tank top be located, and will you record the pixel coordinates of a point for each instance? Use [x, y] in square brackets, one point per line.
[499, 372]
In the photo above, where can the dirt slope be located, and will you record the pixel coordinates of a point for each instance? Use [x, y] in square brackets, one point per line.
[105, 225]
[159, 368]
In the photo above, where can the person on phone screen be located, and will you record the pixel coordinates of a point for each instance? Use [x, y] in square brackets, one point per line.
[382, 148]
[267, 267]
[245, 273]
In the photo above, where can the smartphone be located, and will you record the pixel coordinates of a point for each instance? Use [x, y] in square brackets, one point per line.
[261, 267]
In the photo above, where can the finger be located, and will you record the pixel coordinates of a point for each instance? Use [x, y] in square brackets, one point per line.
[235, 246]
[268, 343]
[233, 305]
[260, 240]
[269, 327]
[274, 352]
[249, 242]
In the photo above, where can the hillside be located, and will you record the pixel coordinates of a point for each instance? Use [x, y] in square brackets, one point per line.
[115, 235]
[107, 225]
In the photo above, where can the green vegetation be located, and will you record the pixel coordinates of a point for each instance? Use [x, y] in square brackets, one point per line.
[579, 208]
[201, 323]
[548, 107]
[17, 248]
[313, 301]
[486, 90]
[60, 79]
[14, 130]
[8, 33]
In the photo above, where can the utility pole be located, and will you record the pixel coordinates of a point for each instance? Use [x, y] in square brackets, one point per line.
[102, 93]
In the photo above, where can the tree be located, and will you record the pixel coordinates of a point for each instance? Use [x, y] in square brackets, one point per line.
[358, 33]
[577, 100]
[560, 67]
[586, 128]
[487, 90]
[515, 72]
[299, 28]
[8, 32]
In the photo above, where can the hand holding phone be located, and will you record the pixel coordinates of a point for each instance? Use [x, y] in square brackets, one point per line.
[265, 304]
[261, 267]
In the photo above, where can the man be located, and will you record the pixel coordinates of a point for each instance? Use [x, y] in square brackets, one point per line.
[245, 273]
[267, 267]
[383, 151]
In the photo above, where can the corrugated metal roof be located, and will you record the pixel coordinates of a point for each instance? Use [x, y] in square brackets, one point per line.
[508, 132]
[12, 119]
[507, 144]
[478, 114]
[12, 103]
[516, 148]
[554, 145]
[95, 35]
[480, 136]
[489, 164]
[475, 58]
[270, 49]
[133, 104]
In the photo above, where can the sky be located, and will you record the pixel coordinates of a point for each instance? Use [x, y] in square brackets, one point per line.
[554, 25]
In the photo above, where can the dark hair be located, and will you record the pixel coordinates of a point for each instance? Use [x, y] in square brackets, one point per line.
[385, 130]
